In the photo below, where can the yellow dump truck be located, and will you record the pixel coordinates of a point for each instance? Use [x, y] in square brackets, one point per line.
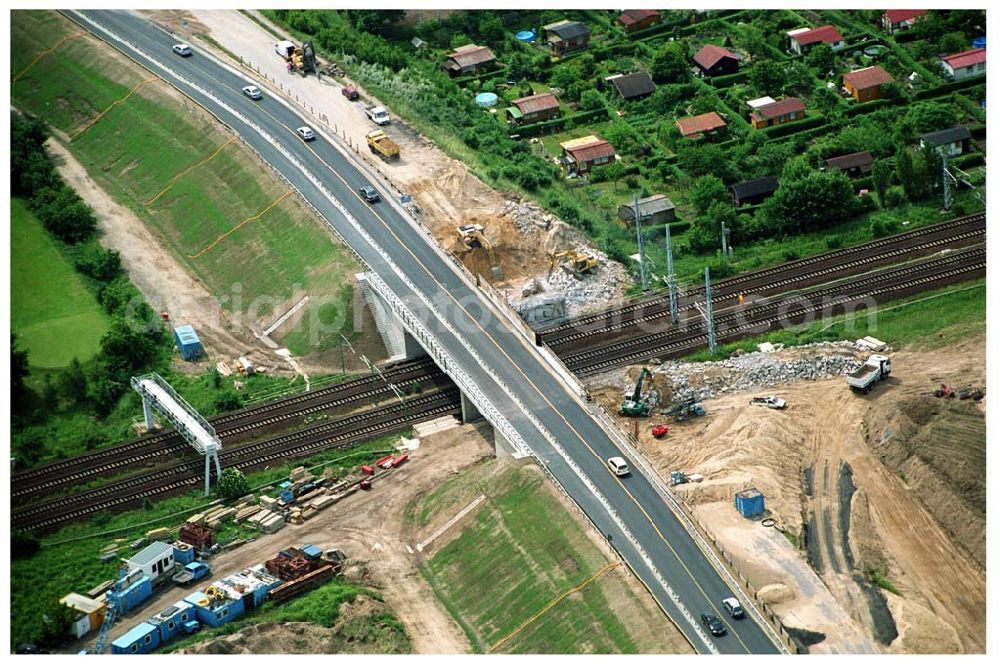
[379, 143]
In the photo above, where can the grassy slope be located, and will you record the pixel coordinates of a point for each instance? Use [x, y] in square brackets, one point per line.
[54, 314]
[73, 566]
[136, 149]
[510, 562]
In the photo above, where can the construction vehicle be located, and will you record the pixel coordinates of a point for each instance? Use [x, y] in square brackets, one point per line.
[769, 402]
[660, 430]
[688, 409]
[677, 477]
[634, 406]
[577, 263]
[377, 114]
[302, 58]
[380, 143]
[878, 367]
[191, 572]
[472, 237]
[112, 602]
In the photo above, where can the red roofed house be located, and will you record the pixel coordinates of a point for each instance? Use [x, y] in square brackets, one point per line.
[581, 155]
[536, 108]
[639, 19]
[801, 39]
[866, 84]
[699, 125]
[898, 20]
[714, 60]
[965, 64]
[788, 109]
[468, 59]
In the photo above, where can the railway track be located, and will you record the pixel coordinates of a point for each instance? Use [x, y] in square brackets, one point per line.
[155, 449]
[185, 475]
[600, 336]
[735, 323]
[624, 320]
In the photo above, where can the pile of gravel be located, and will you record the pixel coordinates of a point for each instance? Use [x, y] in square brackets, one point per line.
[750, 371]
[528, 217]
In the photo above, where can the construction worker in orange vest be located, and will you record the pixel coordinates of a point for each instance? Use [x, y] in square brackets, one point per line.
[741, 299]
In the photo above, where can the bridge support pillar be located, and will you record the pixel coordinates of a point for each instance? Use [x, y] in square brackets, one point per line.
[399, 343]
[505, 450]
[469, 411]
[147, 413]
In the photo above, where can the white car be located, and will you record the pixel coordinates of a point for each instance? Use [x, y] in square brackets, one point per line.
[733, 608]
[253, 92]
[183, 50]
[306, 133]
[770, 402]
[618, 466]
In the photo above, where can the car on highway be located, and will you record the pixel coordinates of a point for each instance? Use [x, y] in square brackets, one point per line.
[182, 50]
[714, 625]
[369, 194]
[769, 402]
[618, 466]
[733, 608]
[253, 92]
[306, 133]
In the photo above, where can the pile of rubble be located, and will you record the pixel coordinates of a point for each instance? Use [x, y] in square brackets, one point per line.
[684, 381]
[528, 217]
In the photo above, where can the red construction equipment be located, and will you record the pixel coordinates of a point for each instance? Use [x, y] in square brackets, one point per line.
[367, 470]
[290, 564]
[365, 484]
[384, 462]
[400, 460]
[660, 430]
[296, 587]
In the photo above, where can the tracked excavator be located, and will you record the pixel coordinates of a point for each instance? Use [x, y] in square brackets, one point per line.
[577, 263]
[634, 406]
[473, 238]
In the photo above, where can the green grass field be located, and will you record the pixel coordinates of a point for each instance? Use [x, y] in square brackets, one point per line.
[53, 313]
[520, 552]
[141, 145]
[68, 560]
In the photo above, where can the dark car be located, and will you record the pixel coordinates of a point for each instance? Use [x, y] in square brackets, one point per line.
[369, 194]
[714, 625]
[30, 649]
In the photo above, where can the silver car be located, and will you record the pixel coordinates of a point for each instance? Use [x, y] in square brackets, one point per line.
[253, 92]
[182, 50]
[306, 133]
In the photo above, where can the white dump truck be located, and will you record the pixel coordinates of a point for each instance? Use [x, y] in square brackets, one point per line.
[878, 367]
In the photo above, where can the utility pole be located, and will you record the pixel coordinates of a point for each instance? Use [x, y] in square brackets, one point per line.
[727, 250]
[708, 313]
[671, 279]
[946, 186]
[638, 237]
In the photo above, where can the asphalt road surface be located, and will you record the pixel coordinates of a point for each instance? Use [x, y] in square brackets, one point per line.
[639, 525]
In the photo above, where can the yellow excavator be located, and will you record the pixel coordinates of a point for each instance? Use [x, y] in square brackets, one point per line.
[472, 237]
[577, 263]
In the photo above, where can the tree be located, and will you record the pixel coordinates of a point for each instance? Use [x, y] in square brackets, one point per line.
[228, 401]
[810, 203]
[613, 172]
[706, 159]
[796, 169]
[766, 77]
[232, 484]
[882, 170]
[56, 623]
[706, 192]
[98, 263]
[375, 20]
[798, 79]
[913, 173]
[706, 230]
[72, 384]
[670, 64]
[592, 100]
[825, 99]
[822, 58]
[23, 544]
[491, 28]
[953, 42]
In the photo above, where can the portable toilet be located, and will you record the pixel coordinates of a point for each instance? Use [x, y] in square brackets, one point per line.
[187, 342]
[750, 503]
[139, 640]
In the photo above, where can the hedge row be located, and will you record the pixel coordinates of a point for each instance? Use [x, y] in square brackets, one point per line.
[968, 160]
[870, 106]
[978, 131]
[557, 124]
[950, 87]
[729, 79]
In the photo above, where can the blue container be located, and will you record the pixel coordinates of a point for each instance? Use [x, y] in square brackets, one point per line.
[187, 342]
[486, 99]
[979, 42]
[525, 36]
[217, 615]
[750, 503]
[312, 551]
[170, 621]
[139, 640]
[183, 553]
[135, 594]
